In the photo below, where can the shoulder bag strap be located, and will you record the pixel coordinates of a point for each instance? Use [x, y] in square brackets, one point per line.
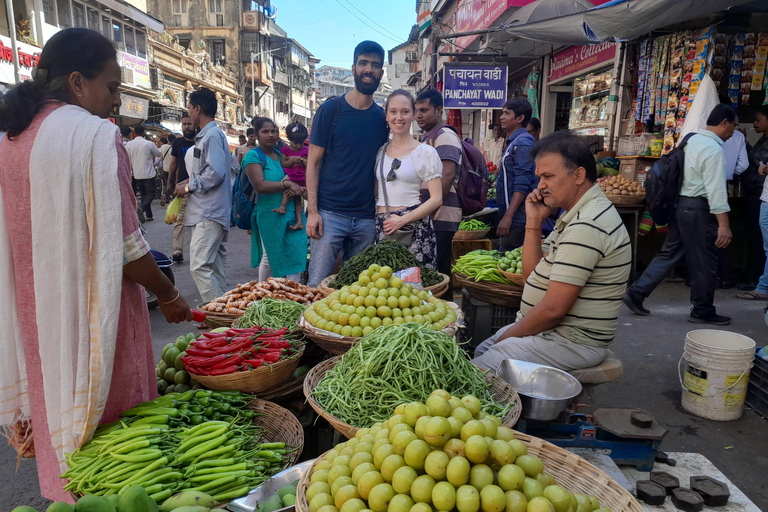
[382, 154]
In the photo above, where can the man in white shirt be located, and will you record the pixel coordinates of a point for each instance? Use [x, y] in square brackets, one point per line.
[736, 162]
[142, 153]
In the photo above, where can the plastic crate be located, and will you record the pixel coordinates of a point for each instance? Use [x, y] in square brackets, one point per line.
[461, 247]
[757, 390]
[483, 320]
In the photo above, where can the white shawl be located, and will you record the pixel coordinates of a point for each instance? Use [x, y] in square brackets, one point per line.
[77, 259]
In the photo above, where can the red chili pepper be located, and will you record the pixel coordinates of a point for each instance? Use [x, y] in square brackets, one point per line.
[266, 350]
[254, 363]
[229, 362]
[210, 344]
[271, 357]
[234, 347]
[195, 351]
[198, 316]
[208, 363]
[277, 344]
[214, 335]
[195, 360]
[223, 371]
[234, 332]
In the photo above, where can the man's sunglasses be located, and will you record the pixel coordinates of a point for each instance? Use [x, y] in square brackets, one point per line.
[392, 176]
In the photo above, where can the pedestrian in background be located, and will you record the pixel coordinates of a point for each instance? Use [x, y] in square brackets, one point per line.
[209, 197]
[700, 224]
[73, 259]
[517, 173]
[442, 137]
[493, 145]
[347, 132]
[177, 172]
[248, 144]
[142, 153]
[736, 162]
[534, 128]
[277, 249]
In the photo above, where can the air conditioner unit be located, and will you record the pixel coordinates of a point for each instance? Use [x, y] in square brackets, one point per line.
[411, 56]
[127, 76]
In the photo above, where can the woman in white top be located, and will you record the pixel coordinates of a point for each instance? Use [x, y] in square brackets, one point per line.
[402, 165]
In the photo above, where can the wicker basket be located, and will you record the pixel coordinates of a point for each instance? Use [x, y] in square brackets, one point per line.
[464, 234]
[254, 381]
[515, 278]
[436, 289]
[280, 426]
[214, 319]
[625, 200]
[500, 390]
[571, 471]
[338, 345]
[507, 295]
[287, 388]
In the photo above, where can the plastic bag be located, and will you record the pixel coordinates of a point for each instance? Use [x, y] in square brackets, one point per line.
[172, 211]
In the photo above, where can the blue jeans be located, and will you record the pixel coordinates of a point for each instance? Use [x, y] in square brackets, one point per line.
[341, 234]
[762, 285]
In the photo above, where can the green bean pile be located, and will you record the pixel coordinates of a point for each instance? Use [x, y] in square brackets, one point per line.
[398, 364]
[385, 253]
[272, 314]
[481, 265]
[163, 447]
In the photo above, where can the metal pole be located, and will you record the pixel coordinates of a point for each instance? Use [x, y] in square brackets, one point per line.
[253, 90]
[12, 29]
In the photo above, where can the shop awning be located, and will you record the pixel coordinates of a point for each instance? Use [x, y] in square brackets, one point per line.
[619, 20]
[157, 126]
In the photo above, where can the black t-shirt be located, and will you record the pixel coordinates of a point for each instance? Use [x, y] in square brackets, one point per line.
[179, 149]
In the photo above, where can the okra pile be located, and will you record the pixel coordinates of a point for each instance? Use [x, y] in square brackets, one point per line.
[199, 440]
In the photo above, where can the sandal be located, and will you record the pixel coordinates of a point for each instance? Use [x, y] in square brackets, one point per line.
[753, 295]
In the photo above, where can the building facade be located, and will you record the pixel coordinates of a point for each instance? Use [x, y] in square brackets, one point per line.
[403, 63]
[336, 81]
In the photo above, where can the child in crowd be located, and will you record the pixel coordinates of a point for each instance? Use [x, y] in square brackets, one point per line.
[295, 165]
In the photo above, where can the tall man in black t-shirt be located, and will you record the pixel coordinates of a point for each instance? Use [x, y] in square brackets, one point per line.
[177, 172]
[347, 132]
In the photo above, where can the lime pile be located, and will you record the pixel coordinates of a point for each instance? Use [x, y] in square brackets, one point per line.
[443, 455]
[512, 261]
[377, 298]
[171, 375]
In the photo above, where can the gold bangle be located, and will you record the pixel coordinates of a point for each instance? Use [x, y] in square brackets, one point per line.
[178, 294]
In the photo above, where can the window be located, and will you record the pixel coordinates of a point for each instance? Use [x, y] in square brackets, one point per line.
[141, 44]
[65, 18]
[106, 27]
[93, 19]
[117, 33]
[130, 41]
[49, 11]
[78, 15]
[179, 6]
[185, 43]
[218, 54]
[219, 20]
[214, 6]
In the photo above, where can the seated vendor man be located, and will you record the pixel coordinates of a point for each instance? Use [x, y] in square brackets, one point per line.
[575, 282]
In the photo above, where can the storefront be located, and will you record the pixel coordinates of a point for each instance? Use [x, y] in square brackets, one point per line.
[28, 57]
[577, 90]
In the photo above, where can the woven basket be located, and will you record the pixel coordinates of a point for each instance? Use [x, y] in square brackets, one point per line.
[571, 471]
[625, 200]
[254, 381]
[280, 426]
[464, 234]
[500, 390]
[515, 278]
[287, 388]
[436, 289]
[338, 345]
[219, 319]
[507, 295]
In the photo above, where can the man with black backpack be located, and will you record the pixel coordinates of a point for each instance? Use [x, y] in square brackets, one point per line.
[517, 173]
[698, 225]
[347, 132]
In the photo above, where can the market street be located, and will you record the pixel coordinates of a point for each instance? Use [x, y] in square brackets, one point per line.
[649, 347]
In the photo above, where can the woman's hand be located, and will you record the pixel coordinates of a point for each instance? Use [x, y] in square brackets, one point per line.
[294, 189]
[394, 223]
[176, 312]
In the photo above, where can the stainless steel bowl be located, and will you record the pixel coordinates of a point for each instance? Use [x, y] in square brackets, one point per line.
[269, 488]
[545, 392]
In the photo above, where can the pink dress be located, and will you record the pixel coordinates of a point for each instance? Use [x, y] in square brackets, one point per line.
[296, 174]
[133, 376]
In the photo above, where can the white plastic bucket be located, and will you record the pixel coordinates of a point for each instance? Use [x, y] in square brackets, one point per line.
[714, 372]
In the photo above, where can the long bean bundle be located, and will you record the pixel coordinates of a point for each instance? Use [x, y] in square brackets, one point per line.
[272, 314]
[481, 265]
[386, 253]
[397, 364]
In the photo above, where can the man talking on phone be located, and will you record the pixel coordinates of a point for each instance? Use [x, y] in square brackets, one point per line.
[576, 279]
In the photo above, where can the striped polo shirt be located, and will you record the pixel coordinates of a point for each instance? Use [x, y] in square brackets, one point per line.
[448, 146]
[589, 247]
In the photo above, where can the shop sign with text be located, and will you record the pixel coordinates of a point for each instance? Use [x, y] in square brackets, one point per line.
[475, 87]
[139, 70]
[133, 106]
[575, 60]
[28, 57]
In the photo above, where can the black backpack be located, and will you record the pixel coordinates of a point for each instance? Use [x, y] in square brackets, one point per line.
[663, 184]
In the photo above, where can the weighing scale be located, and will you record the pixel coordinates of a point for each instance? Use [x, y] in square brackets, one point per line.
[629, 436]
